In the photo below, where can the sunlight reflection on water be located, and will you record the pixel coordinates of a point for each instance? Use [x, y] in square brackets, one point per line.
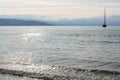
[28, 36]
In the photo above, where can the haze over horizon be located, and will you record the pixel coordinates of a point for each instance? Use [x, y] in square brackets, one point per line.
[59, 9]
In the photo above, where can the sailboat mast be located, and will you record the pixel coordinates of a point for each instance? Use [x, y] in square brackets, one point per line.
[104, 25]
[104, 16]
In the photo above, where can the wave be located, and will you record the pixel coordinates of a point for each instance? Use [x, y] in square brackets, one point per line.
[93, 41]
[109, 42]
[48, 72]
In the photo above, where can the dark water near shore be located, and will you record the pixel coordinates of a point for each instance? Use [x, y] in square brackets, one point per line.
[89, 48]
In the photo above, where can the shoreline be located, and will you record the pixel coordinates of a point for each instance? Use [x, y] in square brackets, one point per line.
[56, 72]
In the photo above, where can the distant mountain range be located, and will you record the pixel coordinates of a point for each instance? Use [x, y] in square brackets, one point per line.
[43, 21]
[18, 22]
[97, 21]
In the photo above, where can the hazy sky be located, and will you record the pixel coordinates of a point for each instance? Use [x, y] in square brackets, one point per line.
[59, 9]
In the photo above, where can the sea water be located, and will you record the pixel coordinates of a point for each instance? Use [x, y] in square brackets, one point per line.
[77, 52]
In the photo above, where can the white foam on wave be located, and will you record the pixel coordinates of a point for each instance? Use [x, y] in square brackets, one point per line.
[55, 72]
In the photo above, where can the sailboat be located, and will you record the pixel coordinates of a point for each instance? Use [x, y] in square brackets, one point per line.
[104, 25]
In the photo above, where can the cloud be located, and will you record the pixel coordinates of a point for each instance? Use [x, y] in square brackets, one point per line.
[36, 3]
[60, 13]
[57, 3]
[59, 9]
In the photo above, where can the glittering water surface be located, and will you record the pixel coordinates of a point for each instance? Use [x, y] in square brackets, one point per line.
[81, 47]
